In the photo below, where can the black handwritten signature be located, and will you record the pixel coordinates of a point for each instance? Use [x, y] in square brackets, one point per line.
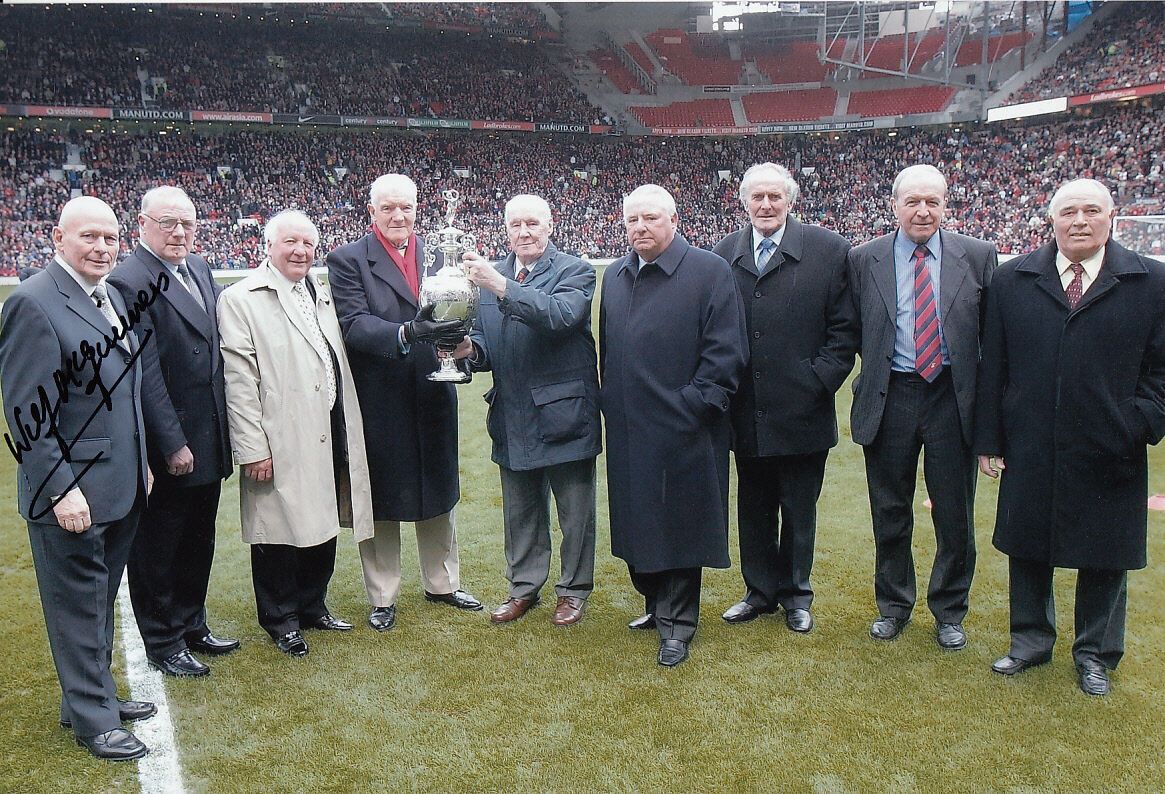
[44, 411]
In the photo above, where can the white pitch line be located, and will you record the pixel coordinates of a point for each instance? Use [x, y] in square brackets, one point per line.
[160, 772]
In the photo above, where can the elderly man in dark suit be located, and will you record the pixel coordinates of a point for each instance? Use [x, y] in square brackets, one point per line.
[672, 346]
[71, 377]
[534, 333]
[802, 335]
[410, 422]
[1071, 390]
[186, 434]
[918, 291]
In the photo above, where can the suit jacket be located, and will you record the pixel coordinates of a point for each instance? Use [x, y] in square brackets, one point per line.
[1069, 398]
[802, 335]
[673, 345]
[964, 274]
[277, 402]
[99, 443]
[410, 422]
[544, 404]
[188, 406]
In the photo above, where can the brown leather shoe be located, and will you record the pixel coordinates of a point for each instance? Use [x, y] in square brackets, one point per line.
[512, 609]
[569, 610]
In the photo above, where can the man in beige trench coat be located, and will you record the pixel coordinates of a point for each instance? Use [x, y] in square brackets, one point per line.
[296, 431]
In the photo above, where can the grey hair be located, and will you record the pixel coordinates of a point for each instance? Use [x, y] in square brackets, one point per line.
[1098, 186]
[389, 183]
[161, 193]
[537, 203]
[922, 169]
[278, 219]
[779, 172]
[649, 191]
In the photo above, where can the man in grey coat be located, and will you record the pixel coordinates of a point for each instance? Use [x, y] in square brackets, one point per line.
[534, 333]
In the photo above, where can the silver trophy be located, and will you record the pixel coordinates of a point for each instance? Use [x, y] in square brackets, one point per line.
[450, 291]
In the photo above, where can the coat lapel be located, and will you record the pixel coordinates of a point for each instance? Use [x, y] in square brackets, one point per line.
[1042, 263]
[382, 266]
[83, 306]
[882, 271]
[952, 272]
[178, 296]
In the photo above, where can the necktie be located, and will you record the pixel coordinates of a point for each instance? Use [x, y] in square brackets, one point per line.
[522, 274]
[1075, 288]
[928, 357]
[308, 310]
[767, 247]
[101, 298]
[188, 282]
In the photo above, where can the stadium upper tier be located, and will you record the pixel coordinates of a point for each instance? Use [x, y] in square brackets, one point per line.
[1001, 177]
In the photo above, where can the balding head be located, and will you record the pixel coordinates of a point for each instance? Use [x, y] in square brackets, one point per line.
[87, 237]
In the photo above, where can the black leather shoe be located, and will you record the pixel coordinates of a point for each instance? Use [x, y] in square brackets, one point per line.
[1009, 665]
[180, 664]
[128, 711]
[885, 628]
[950, 636]
[744, 612]
[1093, 678]
[115, 745]
[382, 618]
[212, 645]
[458, 598]
[672, 652]
[644, 623]
[292, 643]
[799, 620]
[329, 622]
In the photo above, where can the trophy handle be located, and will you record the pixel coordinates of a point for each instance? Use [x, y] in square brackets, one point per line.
[432, 241]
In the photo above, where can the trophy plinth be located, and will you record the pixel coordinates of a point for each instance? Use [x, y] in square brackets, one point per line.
[453, 295]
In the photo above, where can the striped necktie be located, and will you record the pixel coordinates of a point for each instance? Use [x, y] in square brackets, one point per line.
[928, 358]
[767, 246]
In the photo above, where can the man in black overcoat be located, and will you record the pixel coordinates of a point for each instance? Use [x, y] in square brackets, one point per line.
[918, 293]
[1071, 390]
[186, 435]
[802, 336]
[410, 422]
[672, 345]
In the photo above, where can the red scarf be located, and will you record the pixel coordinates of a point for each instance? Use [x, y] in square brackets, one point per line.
[406, 263]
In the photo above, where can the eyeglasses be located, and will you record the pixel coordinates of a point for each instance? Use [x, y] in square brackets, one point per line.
[168, 224]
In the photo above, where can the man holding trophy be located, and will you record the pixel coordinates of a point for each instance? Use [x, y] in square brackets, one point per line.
[410, 421]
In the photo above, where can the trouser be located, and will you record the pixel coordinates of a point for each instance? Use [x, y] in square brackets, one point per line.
[291, 584]
[777, 507]
[78, 575]
[436, 550]
[1101, 597]
[673, 596]
[169, 564]
[922, 416]
[526, 516]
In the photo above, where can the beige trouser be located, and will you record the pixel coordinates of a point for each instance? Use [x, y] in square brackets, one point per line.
[436, 548]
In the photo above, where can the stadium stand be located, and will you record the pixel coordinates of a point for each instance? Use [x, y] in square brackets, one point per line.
[1125, 49]
[615, 71]
[887, 52]
[1001, 177]
[900, 101]
[710, 66]
[639, 56]
[798, 63]
[697, 113]
[802, 105]
[970, 52]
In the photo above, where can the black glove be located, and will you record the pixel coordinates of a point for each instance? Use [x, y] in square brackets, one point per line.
[423, 328]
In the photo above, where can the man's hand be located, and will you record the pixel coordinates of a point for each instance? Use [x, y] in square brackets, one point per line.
[991, 465]
[180, 462]
[423, 328]
[72, 511]
[260, 471]
[483, 274]
[464, 349]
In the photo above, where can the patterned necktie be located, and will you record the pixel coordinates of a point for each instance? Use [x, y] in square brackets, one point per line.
[308, 310]
[522, 274]
[1075, 288]
[101, 298]
[188, 282]
[928, 357]
[767, 246]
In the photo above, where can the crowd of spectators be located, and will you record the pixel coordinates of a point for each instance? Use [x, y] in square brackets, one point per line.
[1001, 177]
[201, 60]
[1125, 49]
[507, 15]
